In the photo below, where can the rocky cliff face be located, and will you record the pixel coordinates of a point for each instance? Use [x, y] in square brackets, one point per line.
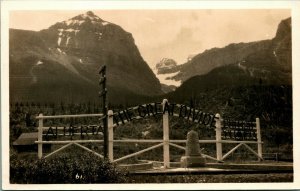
[282, 45]
[62, 62]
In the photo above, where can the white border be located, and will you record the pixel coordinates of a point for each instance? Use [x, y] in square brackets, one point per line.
[7, 6]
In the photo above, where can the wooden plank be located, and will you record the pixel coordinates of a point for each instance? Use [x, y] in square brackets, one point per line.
[69, 116]
[58, 150]
[69, 141]
[177, 146]
[246, 142]
[231, 151]
[171, 141]
[138, 153]
[87, 149]
[138, 141]
[210, 157]
[177, 141]
[255, 153]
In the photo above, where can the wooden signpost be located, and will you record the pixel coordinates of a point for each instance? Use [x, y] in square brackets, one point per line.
[102, 83]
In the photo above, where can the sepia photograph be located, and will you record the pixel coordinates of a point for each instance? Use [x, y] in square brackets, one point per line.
[126, 95]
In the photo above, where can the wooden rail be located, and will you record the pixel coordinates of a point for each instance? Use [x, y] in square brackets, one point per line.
[68, 116]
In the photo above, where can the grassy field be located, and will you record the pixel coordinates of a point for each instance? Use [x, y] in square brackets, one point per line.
[233, 178]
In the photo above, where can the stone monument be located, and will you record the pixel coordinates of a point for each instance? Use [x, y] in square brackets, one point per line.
[193, 156]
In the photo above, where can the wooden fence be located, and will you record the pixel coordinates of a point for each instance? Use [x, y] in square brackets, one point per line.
[224, 132]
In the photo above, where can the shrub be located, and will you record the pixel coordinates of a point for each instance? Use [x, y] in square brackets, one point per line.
[66, 168]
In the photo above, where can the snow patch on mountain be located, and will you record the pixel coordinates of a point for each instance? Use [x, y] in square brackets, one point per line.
[90, 15]
[105, 23]
[58, 41]
[73, 22]
[166, 78]
[99, 34]
[39, 62]
[72, 30]
[242, 67]
[60, 32]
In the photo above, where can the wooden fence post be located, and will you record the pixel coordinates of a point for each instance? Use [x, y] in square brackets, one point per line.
[110, 125]
[258, 136]
[219, 137]
[166, 135]
[40, 136]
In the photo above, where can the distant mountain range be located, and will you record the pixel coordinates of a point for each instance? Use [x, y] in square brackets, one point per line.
[257, 82]
[266, 59]
[61, 63]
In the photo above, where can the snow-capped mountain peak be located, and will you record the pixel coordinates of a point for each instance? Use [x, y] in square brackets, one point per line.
[82, 18]
[165, 69]
[69, 32]
[165, 64]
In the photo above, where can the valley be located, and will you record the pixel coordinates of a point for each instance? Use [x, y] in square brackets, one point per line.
[55, 71]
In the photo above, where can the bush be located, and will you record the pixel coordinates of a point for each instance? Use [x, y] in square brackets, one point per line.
[66, 168]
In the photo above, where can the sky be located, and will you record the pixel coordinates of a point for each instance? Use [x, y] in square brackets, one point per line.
[168, 33]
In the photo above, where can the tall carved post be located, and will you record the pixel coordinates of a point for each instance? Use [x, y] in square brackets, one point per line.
[258, 136]
[193, 156]
[219, 137]
[166, 135]
[40, 136]
[110, 125]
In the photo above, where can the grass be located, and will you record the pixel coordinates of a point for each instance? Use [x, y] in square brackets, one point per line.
[234, 178]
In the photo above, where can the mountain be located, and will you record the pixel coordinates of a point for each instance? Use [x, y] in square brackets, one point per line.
[61, 63]
[260, 85]
[166, 65]
[268, 66]
[278, 47]
[164, 70]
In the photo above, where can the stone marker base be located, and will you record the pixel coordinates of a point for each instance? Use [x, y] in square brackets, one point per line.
[192, 161]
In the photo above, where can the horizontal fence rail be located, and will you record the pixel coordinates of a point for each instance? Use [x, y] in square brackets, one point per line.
[68, 116]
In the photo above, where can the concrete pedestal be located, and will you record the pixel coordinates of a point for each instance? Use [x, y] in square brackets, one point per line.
[192, 161]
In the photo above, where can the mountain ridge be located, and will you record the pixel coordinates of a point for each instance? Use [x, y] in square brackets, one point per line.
[270, 66]
[204, 62]
[76, 49]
